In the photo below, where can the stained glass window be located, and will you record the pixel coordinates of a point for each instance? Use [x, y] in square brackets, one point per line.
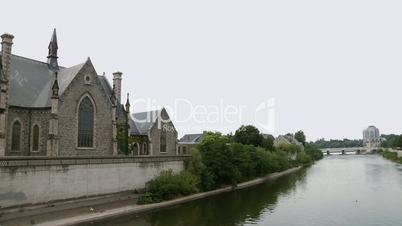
[85, 123]
[16, 136]
[35, 138]
[163, 141]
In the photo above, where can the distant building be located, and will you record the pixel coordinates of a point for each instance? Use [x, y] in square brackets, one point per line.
[286, 140]
[188, 142]
[371, 137]
[153, 133]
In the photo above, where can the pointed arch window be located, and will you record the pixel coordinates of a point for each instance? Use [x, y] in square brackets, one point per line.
[163, 141]
[35, 138]
[16, 136]
[144, 149]
[85, 123]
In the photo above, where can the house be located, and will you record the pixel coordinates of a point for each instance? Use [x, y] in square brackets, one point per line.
[152, 133]
[288, 139]
[188, 142]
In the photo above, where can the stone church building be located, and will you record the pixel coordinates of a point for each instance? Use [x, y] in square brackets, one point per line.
[50, 110]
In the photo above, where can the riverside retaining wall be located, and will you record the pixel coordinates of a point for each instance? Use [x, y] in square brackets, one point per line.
[40, 180]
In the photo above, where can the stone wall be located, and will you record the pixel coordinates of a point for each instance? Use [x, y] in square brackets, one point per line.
[186, 148]
[40, 180]
[28, 118]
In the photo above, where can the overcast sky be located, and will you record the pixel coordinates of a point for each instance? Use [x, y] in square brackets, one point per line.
[331, 67]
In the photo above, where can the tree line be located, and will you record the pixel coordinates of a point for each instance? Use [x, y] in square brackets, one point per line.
[335, 143]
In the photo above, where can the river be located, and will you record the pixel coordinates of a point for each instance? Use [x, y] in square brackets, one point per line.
[350, 190]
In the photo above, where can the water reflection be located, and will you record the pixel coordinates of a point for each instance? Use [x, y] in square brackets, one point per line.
[228, 209]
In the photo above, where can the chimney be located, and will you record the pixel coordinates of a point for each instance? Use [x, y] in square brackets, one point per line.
[117, 85]
[6, 43]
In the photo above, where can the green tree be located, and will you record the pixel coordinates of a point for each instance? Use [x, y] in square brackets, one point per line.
[218, 158]
[268, 142]
[248, 135]
[299, 136]
[313, 152]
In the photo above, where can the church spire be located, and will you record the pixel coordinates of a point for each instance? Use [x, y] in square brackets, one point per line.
[52, 55]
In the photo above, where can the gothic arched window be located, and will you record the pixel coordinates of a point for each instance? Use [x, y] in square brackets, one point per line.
[85, 123]
[144, 149]
[163, 141]
[16, 136]
[35, 138]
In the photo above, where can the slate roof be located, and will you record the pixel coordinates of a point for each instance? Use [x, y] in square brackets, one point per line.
[141, 122]
[192, 138]
[31, 82]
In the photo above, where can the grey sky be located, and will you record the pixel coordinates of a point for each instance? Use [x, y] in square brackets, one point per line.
[333, 67]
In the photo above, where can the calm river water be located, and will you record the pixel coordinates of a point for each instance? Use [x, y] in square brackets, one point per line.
[346, 190]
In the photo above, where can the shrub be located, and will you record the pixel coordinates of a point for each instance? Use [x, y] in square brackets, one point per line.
[313, 152]
[198, 168]
[390, 155]
[168, 186]
[304, 159]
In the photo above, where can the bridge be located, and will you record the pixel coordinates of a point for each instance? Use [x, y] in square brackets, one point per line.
[349, 150]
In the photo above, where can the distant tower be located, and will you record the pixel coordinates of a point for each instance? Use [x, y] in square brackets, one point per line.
[52, 55]
[371, 138]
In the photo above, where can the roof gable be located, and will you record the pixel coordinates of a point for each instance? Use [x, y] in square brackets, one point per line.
[192, 138]
[66, 76]
[144, 121]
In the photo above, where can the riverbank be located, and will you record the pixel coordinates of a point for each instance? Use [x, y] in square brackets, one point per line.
[125, 207]
[392, 155]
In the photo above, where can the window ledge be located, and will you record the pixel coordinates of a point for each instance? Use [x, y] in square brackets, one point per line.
[85, 148]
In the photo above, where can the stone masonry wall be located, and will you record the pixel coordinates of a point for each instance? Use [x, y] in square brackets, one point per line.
[28, 118]
[39, 184]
